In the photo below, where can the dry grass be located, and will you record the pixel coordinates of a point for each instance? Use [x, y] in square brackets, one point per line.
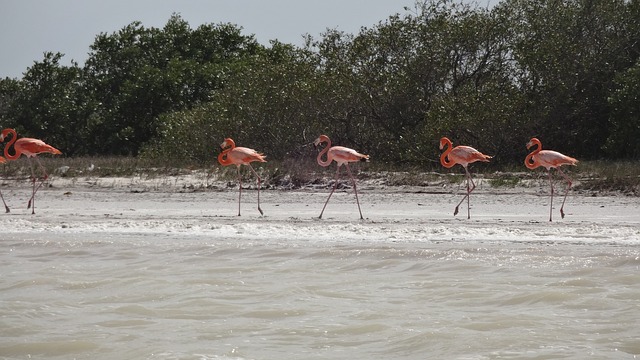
[606, 176]
[93, 166]
[507, 179]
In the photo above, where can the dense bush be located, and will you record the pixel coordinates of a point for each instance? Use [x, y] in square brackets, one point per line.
[565, 71]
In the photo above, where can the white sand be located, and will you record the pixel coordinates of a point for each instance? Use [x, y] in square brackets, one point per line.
[177, 207]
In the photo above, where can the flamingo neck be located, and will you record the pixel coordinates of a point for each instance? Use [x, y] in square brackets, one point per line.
[444, 160]
[223, 158]
[14, 137]
[324, 151]
[529, 161]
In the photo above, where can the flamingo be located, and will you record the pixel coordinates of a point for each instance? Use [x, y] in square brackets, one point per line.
[30, 148]
[549, 159]
[232, 155]
[463, 155]
[341, 155]
[2, 161]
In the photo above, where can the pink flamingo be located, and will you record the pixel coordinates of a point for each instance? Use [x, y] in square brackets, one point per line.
[30, 148]
[341, 155]
[463, 155]
[232, 155]
[549, 159]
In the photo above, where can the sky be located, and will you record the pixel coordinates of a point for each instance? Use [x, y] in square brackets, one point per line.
[29, 28]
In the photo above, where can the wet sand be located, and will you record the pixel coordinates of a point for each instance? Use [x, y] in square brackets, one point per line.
[189, 205]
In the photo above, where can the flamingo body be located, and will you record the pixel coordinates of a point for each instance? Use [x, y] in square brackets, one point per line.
[463, 155]
[243, 156]
[549, 159]
[30, 148]
[342, 156]
[232, 155]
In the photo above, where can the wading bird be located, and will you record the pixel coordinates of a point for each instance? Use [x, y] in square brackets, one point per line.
[549, 159]
[342, 156]
[30, 148]
[232, 155]
[463, 155]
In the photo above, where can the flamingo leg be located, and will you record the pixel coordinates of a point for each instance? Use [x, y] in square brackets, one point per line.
[33, 191]
[335, 185]
[354, 189]
[45, 176]
[566, 192]
[259, 186]
[469, 190]
[5, 204]
[240, 190]
[32, 200]
[551, 201]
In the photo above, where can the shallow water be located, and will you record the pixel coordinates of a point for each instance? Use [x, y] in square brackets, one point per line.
[145, 297]
[145, 277]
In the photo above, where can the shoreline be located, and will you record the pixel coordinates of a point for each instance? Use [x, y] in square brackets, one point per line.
[184, 208]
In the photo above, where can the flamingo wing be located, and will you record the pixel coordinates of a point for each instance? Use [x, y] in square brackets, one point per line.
[31, 147]
[243, 155]
[553, 159]
[343, 155]
[465, 155]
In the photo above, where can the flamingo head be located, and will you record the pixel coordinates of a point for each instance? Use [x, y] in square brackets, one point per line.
[444, 141]
[228, 142]
[532, 142]
[321, 139]
[5, 132]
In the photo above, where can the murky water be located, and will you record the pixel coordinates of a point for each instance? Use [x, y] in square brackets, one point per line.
[116, 275]
[150, 297]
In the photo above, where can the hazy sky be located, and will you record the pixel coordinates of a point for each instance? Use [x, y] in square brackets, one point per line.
[28, 28]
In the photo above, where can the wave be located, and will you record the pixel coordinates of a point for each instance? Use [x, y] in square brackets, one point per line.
[332, 232]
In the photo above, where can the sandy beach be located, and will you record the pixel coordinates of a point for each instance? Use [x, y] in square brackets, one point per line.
[194, 205]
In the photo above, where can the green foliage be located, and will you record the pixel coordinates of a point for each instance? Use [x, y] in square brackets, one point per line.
[9, 89]
[564, 71]
[140, 74]
[567, 53]
[624, 122]
[48, 103]
[267, 106]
